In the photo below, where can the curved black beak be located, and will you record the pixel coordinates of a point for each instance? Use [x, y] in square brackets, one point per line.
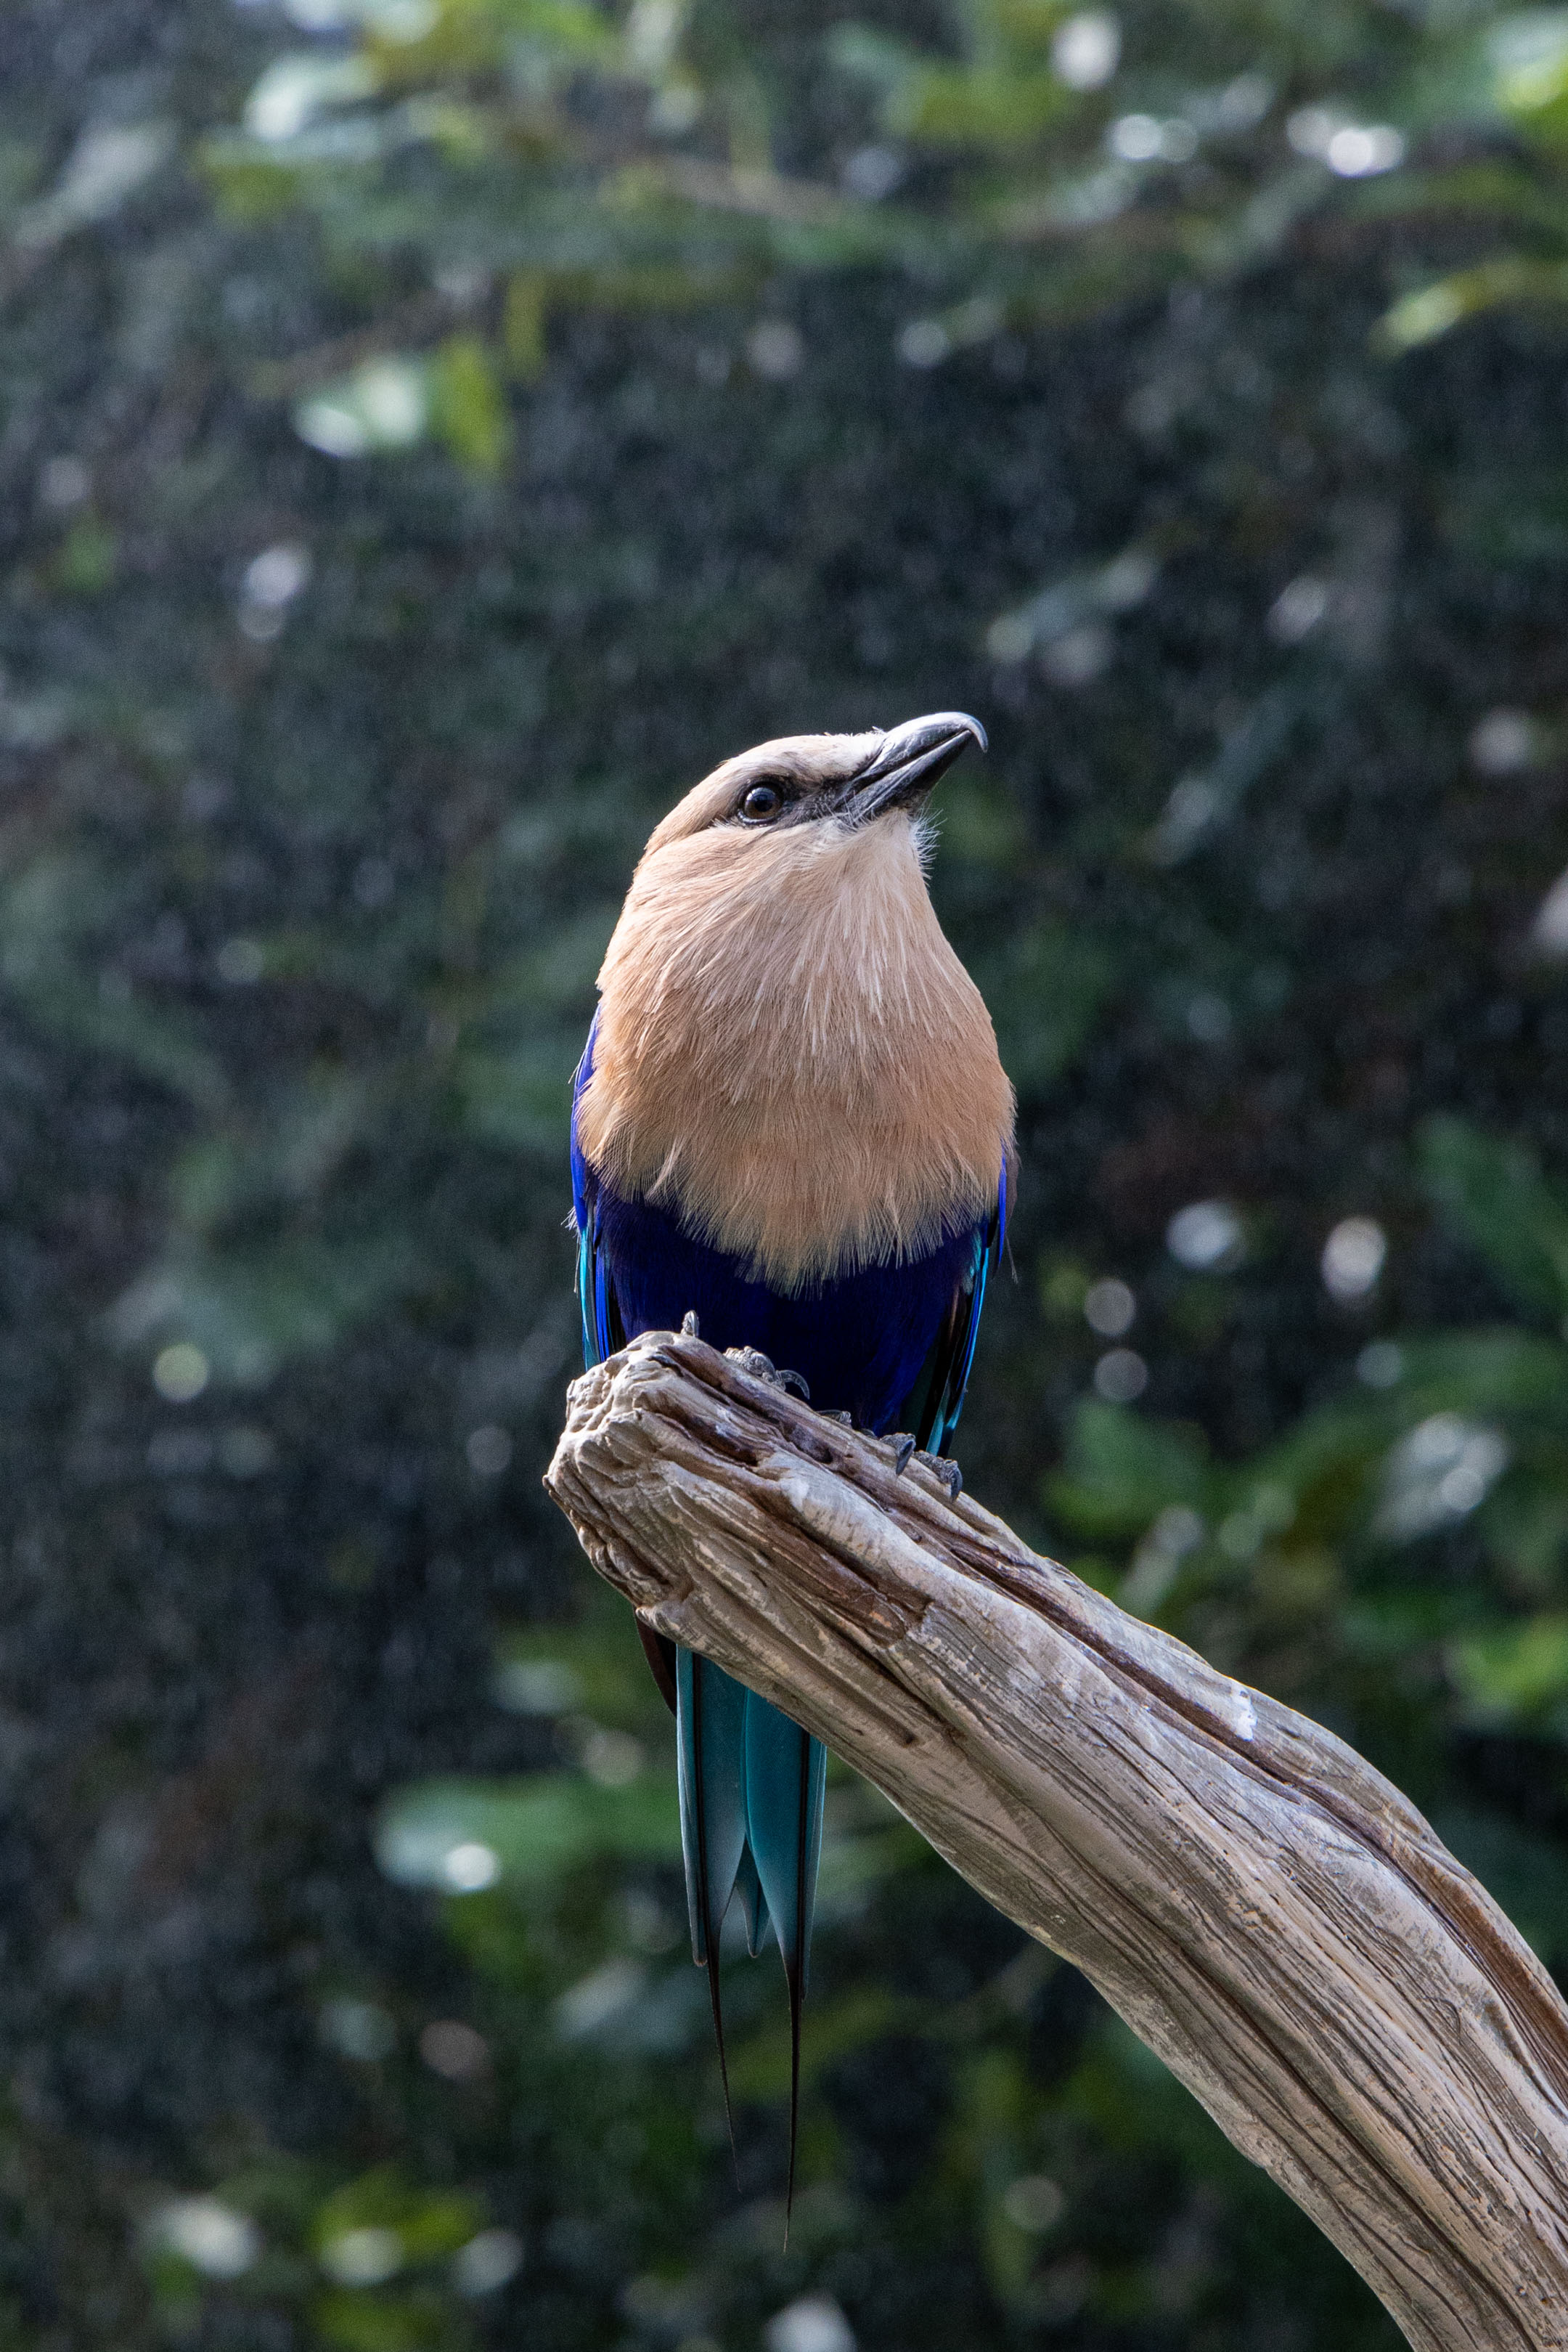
[908, 761]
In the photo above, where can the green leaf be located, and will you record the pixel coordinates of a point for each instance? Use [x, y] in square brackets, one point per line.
[87, 560]
[429, 2224]
[1528, 54]
[1326, 1464]
[1519, 1671]
[468, 407]
[1504, 1372]
[759, 2066]
[1494, 1191]
[1122, 1471]
[1046, 989]
[1000, 103]
[523, 321]
[356, 2321]
[535, 1829]
[593, 1666]
[250, 1312]
[1515, 517]
[1508, 281]
[522, 1099]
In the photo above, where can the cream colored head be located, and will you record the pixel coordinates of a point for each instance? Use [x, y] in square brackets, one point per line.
[790, 1057]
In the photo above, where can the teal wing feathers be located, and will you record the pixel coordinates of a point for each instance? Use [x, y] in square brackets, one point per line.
[938, 1398]
[786, 1771]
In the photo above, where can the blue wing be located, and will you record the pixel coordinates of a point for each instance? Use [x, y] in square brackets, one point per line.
[938, 1398]
[602, 1334]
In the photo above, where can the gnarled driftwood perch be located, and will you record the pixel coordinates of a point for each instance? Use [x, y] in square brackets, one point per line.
[1264, 1910]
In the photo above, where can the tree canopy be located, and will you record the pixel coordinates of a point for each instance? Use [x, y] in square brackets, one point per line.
[434, 431]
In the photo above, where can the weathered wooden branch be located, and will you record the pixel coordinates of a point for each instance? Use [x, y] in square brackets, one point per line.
[1263, 1908]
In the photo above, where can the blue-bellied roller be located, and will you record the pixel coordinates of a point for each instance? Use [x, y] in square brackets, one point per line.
[790, 1121]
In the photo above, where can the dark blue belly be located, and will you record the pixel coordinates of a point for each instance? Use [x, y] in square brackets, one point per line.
[860, 1340]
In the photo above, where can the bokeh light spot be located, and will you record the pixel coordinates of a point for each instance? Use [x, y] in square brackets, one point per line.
[1503, 742]
[454, 2050]
[469, 1868]
[612, 1758]
[1086, 48]
[1549, 932]
[1206, 1238]
[181, 1372]
[488, 2262]
[358, 2028]
[1120, 1376]
[208, 2234]
[364, 2257]
[241, 962]
[489, 1450]
[873, 172]
[923, 343]
[814, 2323]
[1353, 1258]
[1297, 609]
[776, 349]
[1033, 2202]
[1440, 1472]
[535, 1686]
[63, 483]
[1360, 151]
[1109, 1307]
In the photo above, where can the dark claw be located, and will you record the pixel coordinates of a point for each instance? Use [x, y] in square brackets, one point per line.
[690, 1328]
[902, 1454]
[763, 1368]
[947, 1473]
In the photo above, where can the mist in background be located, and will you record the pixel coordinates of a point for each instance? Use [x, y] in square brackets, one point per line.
[433, 433]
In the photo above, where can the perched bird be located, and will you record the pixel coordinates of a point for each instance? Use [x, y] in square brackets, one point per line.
[791, 1122]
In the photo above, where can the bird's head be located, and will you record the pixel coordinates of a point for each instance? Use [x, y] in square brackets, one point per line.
[788, 1049]
[839, 784]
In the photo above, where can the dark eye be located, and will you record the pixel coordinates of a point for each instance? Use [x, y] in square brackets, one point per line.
[762, 801]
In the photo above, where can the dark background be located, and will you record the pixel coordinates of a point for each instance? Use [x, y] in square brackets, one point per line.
[431, 434]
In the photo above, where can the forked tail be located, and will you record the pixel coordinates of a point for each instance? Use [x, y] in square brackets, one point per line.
[751, 1822]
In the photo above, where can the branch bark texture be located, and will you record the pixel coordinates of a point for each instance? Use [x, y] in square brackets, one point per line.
[1265, 1910]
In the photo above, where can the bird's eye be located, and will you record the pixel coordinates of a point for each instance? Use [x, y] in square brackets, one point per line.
[761, 802]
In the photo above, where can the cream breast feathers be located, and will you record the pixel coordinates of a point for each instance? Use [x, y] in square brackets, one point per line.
[790, 1057]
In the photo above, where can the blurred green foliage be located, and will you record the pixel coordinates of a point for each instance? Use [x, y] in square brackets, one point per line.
[433, 432]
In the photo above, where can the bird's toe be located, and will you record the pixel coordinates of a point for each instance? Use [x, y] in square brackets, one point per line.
[763, 1368]
[949, 1474]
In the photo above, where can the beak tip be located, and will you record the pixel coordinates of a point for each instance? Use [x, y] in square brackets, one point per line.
[908, 760]
[955, 724]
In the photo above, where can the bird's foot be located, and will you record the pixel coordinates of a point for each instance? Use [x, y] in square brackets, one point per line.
[948, 1473]
[844, 1420]
[763, 1368]
[905, 1450]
